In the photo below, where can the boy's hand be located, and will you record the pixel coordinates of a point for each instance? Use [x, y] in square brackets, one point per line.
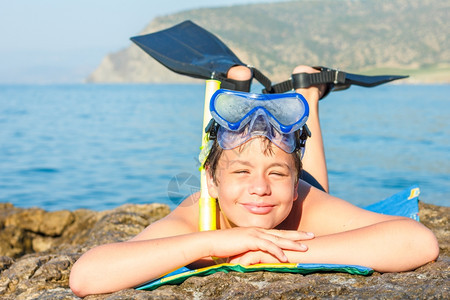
[238, 241]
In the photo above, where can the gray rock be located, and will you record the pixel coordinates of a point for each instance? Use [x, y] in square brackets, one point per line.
[28, 273]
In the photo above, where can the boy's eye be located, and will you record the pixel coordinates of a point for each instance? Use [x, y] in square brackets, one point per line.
[277, 173]
[241, 172]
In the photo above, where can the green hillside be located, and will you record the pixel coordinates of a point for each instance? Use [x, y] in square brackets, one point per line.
[369, 36]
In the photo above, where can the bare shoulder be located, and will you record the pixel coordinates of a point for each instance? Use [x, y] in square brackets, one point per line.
[182, 220]
[324, 214]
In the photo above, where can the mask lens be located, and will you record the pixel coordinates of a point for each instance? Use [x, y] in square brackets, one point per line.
[258, 126]
[233, 110]
[231, 107]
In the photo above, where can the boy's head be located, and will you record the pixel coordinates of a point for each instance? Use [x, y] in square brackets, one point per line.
[239, 117]
[254, 163]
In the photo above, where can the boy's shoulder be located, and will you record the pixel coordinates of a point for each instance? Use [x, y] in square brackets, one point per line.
[187, 211]
[324, 214]
[182, 220]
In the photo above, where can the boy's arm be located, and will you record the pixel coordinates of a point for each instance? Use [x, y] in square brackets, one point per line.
[351, 235]
[112, 267]
[162, 247]
[168, 244]
[389, 246]
[346, 234]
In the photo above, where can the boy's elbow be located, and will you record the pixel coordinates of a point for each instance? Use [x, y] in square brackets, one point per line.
[432, 245]
[426, 243]
[76, 287]
[77, 283]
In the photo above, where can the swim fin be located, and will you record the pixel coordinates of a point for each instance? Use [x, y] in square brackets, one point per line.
[190, 50]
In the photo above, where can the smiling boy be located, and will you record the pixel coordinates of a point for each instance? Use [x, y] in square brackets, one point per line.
[267, 214]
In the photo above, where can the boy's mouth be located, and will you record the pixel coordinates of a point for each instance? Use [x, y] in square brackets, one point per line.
[258, 208]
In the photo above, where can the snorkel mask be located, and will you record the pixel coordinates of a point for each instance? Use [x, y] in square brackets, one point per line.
[240, 116]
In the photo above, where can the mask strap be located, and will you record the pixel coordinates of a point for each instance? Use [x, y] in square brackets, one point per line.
[212, 129]
[301, 138]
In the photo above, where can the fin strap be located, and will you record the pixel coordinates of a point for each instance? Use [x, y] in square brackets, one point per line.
[280, 87]
[263, 79]
[304, 80]
[244, 85]
[235, 85]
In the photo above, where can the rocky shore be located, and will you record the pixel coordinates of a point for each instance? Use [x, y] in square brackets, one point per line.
[38, 248]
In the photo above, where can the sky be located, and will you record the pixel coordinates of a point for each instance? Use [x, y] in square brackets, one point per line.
[54, 41]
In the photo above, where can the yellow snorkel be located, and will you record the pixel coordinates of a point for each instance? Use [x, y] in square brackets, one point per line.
[188, 49]
[207, 205]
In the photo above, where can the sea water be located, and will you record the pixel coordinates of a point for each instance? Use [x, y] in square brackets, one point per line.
[101, 146]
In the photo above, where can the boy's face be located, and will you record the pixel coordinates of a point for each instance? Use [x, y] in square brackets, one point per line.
[255, 188]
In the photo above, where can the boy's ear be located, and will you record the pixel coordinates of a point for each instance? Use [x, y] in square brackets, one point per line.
[212, 186]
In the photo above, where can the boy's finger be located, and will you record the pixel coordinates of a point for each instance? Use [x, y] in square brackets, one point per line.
[285, 243]
[292, 234]
[272, 248]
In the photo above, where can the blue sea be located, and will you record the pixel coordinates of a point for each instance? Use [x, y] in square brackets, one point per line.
[101, 146]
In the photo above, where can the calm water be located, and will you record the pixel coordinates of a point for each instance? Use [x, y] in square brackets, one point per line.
[100, 146]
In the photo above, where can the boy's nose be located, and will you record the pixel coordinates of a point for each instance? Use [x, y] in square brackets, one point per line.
[259, 186]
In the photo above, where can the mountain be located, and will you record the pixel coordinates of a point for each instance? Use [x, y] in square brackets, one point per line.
[367, 36]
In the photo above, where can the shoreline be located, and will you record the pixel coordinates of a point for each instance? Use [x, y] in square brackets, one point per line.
[38, 248]
[445, 80]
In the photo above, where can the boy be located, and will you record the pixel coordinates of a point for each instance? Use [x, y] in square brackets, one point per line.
[267, 215]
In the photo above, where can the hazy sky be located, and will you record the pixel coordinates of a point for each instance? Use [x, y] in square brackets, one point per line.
[59, 41]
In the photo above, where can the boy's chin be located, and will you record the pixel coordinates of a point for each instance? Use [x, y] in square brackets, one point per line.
[257, 223]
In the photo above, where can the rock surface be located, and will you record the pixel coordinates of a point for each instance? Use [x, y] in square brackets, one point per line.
[38, 248]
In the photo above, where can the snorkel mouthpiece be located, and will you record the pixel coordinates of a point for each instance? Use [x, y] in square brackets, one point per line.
[240, 116]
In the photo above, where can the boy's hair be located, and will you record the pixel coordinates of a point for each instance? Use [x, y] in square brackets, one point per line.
[216, 152]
